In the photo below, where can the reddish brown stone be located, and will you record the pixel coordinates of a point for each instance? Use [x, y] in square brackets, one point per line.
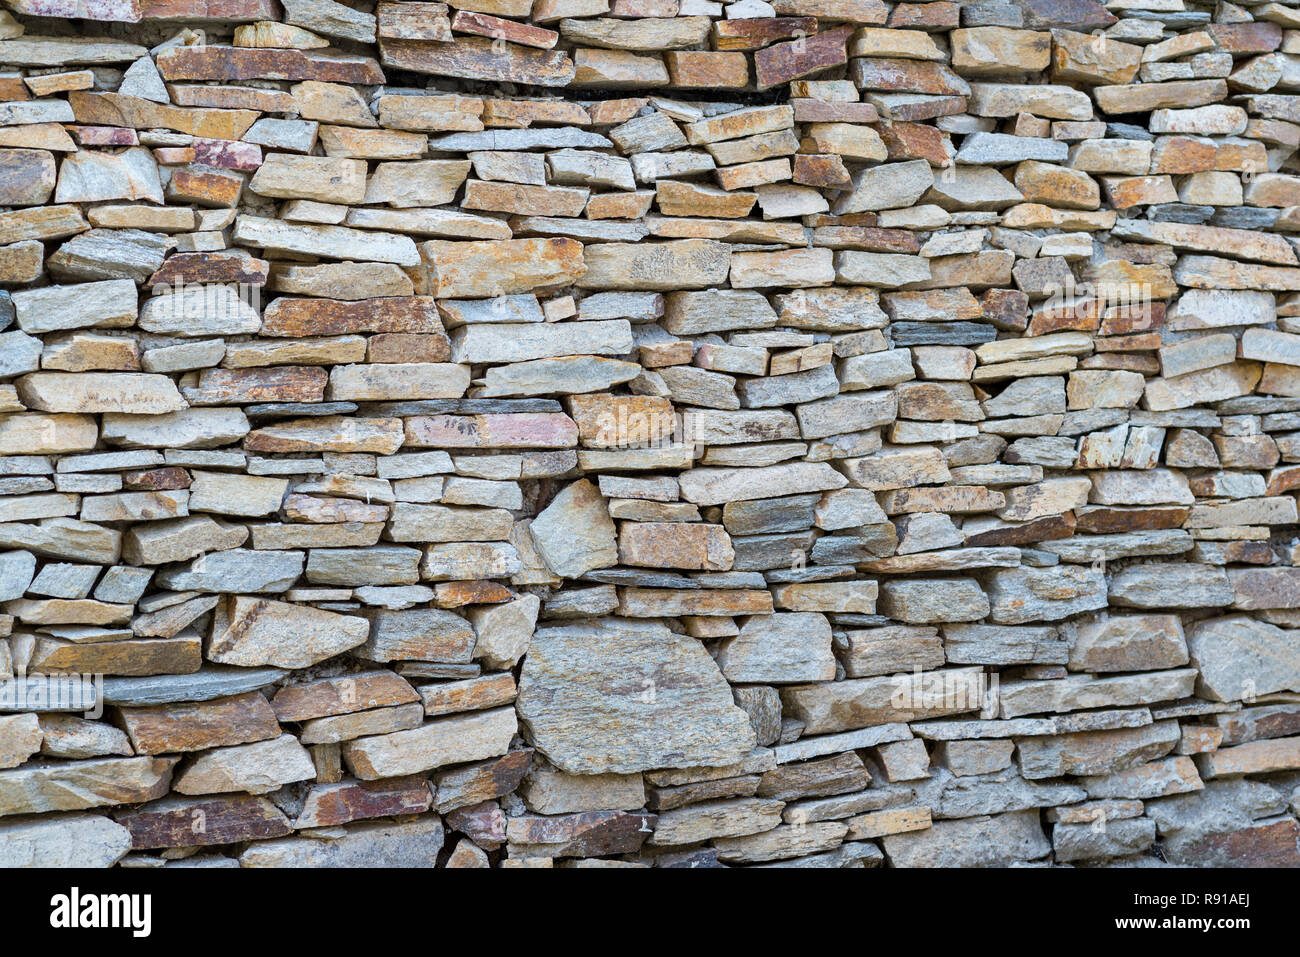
[1143, 362]
[706, 69]
[135, 657]
[248, 386]
[610, 112]
[827, 111]
[1140, 342]
[926, 16]
[1082, 316]
[475, 694]
[197, 725]
[1147, 253]
[585, 834]
[188, 822]
[850, 219]
[345, 694]
[869, 238]
[252, 63]
[328, 805]
[483, 823]
[520, 114]
[783, 62]
[1005, 308]
[1039, 530]
[1257, 845]
[474, 783]
[1258, 725]
[1134, 317]
[289, 316]
[1104, 519]
[213, 267]
[486, 25]
[1246, 553]
[242, 11]
[172, 155]
[894, 75]
[408, 347]
[908, 141]
[462, 593]
[204, 187]
[478, 58]
[1283, 480]
[752, 33]
[13, 88]
[1241, 39]
[103, 136]
[156, 480]
[822, 170]
[226, 154]
[927, 109]
[26, 177]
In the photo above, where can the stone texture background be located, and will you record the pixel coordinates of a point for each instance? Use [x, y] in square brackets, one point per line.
[650, 432]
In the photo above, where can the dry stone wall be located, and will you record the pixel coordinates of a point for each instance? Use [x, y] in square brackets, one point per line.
[649, 432]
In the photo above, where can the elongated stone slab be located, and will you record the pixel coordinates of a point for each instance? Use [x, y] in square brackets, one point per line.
[478, 58]
[203, 821]
[64, 840]
[253, 631]
[83, 784]
[436, 743]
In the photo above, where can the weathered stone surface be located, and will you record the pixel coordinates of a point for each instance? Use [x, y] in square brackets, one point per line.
[442, 741]
[427, 634]
[779, 648]
[586, 725]
[200, 725]
[864, 702]
[412, 844]
[1129, 643]
[1019, 595]
[329, 805]
[84, 784]
[548, 790]
[1240, 657]
[715, 486]
[476, 269]
[679, 264]
[252, 631]
[66, 840]
[970, 842]
[131, 393]
[252, 768]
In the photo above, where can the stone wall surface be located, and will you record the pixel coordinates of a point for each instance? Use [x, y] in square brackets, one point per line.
[826, 433]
